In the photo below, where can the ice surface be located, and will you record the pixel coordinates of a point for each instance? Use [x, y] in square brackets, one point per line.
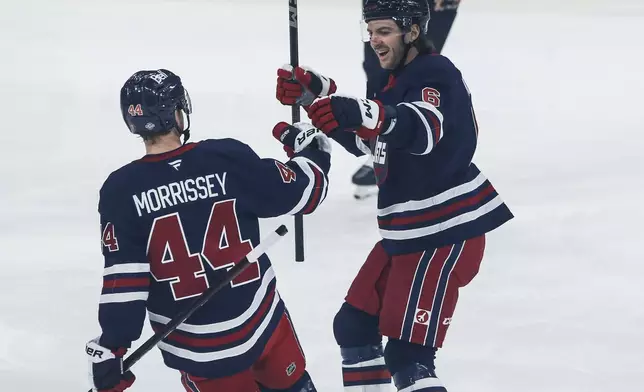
[557, 305]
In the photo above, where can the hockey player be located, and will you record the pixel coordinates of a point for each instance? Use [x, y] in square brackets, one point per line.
[175, 221]
[434, 205]
[440, 24]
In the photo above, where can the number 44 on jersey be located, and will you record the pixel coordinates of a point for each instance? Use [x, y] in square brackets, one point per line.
[171, 259]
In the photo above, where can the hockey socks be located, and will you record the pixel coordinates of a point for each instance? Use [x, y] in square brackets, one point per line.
[418, 378]
[412, 366]
[364, 369]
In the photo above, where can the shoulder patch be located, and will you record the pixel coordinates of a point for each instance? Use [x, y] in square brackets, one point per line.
[431, 96]
[288, 175]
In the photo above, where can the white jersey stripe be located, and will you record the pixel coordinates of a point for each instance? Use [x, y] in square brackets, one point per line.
[415, 205]
[123, 297]
[260, 294]
[226, 353]
[127, 268]
[438, 227]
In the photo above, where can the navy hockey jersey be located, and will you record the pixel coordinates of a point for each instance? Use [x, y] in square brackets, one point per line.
[174, 223]
[430, 192]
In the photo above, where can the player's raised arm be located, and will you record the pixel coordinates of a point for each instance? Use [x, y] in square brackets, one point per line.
[271, 187]
[415, 126]
[302, 86]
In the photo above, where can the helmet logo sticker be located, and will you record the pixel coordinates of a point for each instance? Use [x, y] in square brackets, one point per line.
[149, 126]
[159, 77]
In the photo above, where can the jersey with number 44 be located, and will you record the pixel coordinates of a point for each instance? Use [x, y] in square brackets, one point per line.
[431, 194]
[172, 224]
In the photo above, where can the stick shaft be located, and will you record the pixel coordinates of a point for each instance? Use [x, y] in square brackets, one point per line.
[295, 117]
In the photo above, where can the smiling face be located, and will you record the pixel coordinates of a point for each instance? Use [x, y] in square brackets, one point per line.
[388, 41]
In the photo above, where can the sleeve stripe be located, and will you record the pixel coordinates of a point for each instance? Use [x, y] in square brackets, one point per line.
[302, 163]
[431, 138]
[324, 183]
[435, 116]
[127, 268]
[125, 282]
[326, 188]
[361, 146]
[391, 127]
[123, 297]
[318, 190]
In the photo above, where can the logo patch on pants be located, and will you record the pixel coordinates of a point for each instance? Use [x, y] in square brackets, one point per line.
[422, 316]
[291, 369]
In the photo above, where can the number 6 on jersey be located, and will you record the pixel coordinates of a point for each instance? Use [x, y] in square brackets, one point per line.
[171, 260]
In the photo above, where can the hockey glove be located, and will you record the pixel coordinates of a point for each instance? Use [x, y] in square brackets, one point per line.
[302, 85]
[299, 136]
[106, 368]
[364, 116]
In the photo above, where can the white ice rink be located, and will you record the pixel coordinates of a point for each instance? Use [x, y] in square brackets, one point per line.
[558, 305]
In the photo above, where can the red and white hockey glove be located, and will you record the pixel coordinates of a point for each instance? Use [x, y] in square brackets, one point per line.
[106, 368]
[299, 136]
[364, 116]
[302, 85]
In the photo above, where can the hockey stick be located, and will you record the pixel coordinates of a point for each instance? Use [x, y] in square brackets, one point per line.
[259, 250]
[440, 24]
[295, 116]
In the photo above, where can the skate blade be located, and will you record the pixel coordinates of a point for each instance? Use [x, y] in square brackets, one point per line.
[365, 192]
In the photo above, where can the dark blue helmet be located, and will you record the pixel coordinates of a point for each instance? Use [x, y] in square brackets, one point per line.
[149, 100]
[404, 12]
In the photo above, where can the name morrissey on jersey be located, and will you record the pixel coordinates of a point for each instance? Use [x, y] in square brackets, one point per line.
[186, 191]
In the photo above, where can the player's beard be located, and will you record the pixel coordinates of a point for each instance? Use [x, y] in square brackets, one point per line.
[391, 58]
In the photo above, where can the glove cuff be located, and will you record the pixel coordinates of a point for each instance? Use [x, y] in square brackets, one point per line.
[372, 113]
[98, 353]
[377, 119]
[318, 84]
